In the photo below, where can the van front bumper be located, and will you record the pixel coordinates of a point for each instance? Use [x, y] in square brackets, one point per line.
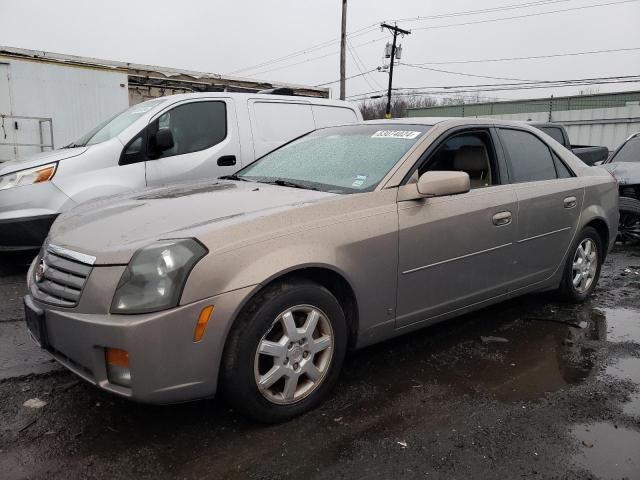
[27, 213]
[166, 365]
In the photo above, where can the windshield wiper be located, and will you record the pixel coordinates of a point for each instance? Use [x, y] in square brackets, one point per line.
[73, 145]
[288, 183]
[233, 177]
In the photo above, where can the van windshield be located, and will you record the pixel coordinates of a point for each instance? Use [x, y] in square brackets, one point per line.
[114, 125]
[346, 159]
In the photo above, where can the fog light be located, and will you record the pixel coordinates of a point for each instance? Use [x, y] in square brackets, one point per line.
[118, 371]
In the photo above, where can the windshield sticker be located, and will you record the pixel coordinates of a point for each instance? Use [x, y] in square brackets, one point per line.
[409, 135]
[359, 181]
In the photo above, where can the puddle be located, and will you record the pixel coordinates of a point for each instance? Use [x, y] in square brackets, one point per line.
[623, 325]
[607, 451]
[626, 369]
[529, 349]
[632, 407]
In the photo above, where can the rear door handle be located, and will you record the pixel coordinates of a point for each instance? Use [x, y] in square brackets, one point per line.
[227, 161]
[570, 202]
[502, 218]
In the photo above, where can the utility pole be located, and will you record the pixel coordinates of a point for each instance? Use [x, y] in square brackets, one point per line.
[396, 30]
[343, 48]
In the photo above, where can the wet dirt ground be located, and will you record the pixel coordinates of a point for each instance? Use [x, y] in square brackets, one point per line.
[528, 389]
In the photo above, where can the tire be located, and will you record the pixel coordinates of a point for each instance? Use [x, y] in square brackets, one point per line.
[588, 265]
[629, 227]
[289, 355]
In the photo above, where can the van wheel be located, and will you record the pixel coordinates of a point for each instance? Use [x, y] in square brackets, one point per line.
[285, 352]
[629, 227]
[582, 269]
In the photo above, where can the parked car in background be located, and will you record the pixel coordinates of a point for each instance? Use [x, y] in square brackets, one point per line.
[157, 142]
[624, 165]
[256, 285]
[588, 154]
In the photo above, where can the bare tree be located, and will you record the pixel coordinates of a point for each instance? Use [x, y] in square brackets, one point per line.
[372, 109]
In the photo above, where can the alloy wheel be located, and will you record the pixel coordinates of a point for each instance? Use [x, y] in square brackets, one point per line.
[629, 228]
[293, 357]
[585, 265]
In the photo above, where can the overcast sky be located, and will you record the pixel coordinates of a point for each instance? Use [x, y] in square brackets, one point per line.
[225, 37]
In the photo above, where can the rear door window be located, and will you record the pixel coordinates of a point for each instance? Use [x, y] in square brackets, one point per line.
[530, 157]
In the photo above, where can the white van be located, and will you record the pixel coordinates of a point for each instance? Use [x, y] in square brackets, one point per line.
[165, 140]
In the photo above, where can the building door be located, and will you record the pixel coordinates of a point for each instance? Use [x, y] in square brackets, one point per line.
[7, 135]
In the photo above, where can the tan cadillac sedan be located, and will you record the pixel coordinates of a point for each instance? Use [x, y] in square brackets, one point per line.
[255, 286]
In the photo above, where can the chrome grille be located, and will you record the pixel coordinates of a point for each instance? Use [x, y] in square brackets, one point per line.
[63, 278]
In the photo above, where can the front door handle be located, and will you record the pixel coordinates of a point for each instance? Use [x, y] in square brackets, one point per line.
[502, 218]
[227, 161]
[570, 202]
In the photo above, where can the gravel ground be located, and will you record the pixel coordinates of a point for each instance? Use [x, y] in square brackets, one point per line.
[528, 389]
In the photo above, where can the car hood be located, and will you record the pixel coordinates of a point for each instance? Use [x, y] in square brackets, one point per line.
[40, 159]
[113, 228]
[626, 173]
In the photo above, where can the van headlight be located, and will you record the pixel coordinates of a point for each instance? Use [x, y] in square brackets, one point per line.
[156, 275]
[28, 177]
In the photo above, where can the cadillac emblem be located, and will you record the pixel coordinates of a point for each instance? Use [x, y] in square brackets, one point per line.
[40, 269]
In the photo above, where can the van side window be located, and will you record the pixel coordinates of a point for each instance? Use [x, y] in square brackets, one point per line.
[195, 126]
[275, 123]
[529, 156]
[327, 116]
[467, 152]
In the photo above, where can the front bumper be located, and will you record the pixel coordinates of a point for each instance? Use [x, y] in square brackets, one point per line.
[166, 365]
[26, 214]
[24, 233]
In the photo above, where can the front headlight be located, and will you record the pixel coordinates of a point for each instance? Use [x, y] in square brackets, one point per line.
[28, 177]
[156, 275]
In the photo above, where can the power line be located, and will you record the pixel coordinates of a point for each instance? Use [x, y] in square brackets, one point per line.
[486, 60]
[362, 67]
[372, 27]
[464, 74]
[348, 78]
[481, 11]
[356, 33]
[509, 86]
[532, 57]
[515, 17]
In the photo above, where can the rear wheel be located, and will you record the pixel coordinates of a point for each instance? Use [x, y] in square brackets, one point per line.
[629, 227]
[285, 352]
[582, 269]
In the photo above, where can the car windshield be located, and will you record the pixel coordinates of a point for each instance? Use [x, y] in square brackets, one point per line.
[114, 125]
[629, 152]
[347, 159]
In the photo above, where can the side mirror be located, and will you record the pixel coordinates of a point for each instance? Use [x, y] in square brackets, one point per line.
[163, 140]
[436, 184]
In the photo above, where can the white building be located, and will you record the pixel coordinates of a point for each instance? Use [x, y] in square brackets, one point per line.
[48, 100]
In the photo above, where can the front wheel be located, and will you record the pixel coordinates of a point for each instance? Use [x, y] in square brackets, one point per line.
[582, 269]
[285, 352]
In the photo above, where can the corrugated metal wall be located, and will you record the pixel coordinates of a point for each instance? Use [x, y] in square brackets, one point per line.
[76, 98]
[603, 119]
